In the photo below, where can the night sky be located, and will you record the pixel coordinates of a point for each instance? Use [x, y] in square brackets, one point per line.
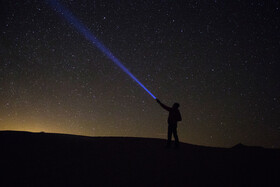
[218, 59]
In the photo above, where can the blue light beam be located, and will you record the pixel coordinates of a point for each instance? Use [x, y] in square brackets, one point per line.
[73, 21]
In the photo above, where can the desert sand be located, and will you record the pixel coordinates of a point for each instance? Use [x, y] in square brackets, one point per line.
[46, 159]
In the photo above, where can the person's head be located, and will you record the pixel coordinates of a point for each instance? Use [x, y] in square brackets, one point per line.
[176, 105]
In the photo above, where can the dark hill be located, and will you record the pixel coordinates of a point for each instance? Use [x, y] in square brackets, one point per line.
[44, 159]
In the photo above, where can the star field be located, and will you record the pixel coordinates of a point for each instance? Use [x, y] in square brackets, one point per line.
[219, 60]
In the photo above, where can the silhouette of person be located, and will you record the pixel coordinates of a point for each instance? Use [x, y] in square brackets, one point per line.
[173, 117]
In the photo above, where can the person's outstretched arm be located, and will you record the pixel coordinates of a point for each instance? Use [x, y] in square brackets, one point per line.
[163, 105]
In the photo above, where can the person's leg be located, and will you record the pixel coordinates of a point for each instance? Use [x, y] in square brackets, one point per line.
[174, 130]
[169, 135]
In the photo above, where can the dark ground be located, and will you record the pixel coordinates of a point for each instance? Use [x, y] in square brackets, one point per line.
[44, 159]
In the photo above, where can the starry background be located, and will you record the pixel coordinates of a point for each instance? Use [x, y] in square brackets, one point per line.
[218, 59]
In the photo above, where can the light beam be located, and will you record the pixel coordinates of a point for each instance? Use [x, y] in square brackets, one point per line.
[81, 28]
